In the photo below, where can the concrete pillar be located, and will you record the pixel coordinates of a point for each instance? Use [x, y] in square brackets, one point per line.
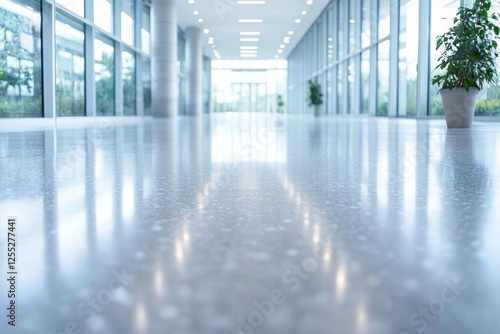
[194, 66]
[164, 58]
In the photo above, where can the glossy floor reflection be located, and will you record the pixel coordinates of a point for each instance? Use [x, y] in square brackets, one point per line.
[255, 224]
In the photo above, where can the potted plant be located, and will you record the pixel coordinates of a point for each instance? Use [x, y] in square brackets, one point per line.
[469, 61]
[315, 97]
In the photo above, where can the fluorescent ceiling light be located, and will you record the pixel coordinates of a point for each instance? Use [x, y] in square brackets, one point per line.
[248, 56]
[246, 39]
[243, 47]
[251, 2]
[250, 20]
[249, 33]
[248, 51]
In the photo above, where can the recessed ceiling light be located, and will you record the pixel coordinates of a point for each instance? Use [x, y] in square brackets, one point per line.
[191, 1]
[282, 46]
[213, 46]
[280, 51]
[352, 21]
[250, 20]
[309, 2]
[249, 33]
[330, 39]
[248, 47]
[247, 39]
[196, 12]
[251, 2]
[290, 32]
[304, 12]
[297, 20]
[200, 20]
[276, 57]
[206, 31]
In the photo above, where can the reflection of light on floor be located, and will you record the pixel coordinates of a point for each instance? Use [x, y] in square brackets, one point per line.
[159, 281]
[340, 281]
[361, 316]
[128, 204]
[141, 317]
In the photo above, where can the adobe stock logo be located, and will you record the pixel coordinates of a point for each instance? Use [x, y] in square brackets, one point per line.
[436, 307]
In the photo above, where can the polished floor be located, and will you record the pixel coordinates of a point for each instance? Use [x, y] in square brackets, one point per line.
[253, 223]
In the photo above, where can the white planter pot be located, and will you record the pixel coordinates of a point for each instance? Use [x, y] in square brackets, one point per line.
[459, 106]
[317, 110]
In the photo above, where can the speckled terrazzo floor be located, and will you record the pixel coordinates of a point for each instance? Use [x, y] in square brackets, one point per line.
[247, 223]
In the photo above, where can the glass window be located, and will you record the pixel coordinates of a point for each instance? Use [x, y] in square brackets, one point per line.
[408, 58]
[70, 68]
[146, 82]
[383, 78]
[442, 14]
[351, 81]
[20, 59]
[330, 29]
[103, 14]
[76, 6]
[127, 18]
[367, 14]
[384, 18]
[104, 78]
[340, 89]
[146, 29]
[181, 50]
[128, 82]
[365, 81]
[353, 39]
[488, 103]
[341, 29]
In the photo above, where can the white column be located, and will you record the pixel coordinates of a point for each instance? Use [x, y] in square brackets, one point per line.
[164, 58]
[194, 66]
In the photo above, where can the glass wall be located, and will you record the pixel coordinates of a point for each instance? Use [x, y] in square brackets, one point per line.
[248, 86]
[146, 29]
[128, 83]
[127, 18]
[103, 14]
[20, 59]
[372, 60]
[408, 58]
[76, 6]
[70, 67]
[488, 103]
[383, 70]
[104, 77]
[86, 46]
[146, 83]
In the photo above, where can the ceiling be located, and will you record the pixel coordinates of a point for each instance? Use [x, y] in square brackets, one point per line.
[221, 18]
